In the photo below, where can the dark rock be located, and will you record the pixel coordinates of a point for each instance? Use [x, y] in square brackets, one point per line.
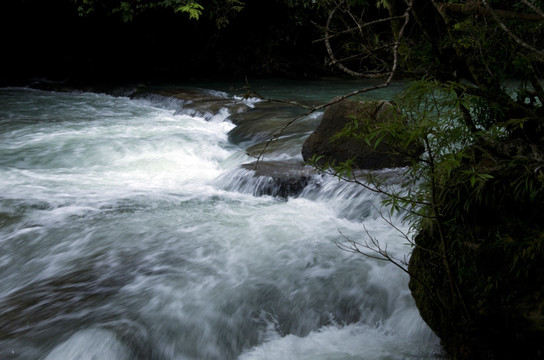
[256, 128]
[259, 124]
[489, 304]
[335, 118]
[279, 178]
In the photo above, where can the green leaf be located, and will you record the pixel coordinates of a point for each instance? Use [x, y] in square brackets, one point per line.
[193, 9]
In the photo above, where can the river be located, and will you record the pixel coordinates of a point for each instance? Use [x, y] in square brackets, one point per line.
[124, 235]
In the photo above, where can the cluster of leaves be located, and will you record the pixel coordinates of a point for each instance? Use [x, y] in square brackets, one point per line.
[433, 119]
[486, 46]
[219, 10]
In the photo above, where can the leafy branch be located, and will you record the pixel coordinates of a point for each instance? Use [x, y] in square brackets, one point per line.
[193, 9]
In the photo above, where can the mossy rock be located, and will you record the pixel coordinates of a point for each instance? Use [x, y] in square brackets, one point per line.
[489, 304]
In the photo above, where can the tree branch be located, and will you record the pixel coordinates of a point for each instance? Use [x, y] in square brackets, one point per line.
[368, 75]
[477, 9]
[522, 43]
[312, 110]
[534, 8]
[360, 26]
[375, 251]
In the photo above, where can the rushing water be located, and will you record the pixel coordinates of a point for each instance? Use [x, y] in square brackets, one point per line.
[122, 236]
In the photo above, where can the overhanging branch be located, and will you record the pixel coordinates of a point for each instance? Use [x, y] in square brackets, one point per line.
[479, 8]
[495, 15]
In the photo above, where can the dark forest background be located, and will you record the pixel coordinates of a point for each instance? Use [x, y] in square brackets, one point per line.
[49, 39]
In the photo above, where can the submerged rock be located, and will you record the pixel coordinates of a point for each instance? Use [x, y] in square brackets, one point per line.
[322, 143]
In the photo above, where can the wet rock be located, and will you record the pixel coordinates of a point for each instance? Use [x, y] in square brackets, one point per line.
[279, 178]
[261, 122]
[335, 118]
[257, 127]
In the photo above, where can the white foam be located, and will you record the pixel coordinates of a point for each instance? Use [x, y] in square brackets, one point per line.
[90, 344]
[114, 186]
[349, 342]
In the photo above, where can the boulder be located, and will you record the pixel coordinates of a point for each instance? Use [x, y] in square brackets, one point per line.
[366, 157]
[477, 277]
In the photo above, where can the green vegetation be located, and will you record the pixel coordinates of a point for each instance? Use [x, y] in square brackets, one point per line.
[219, 10]
[474, 198]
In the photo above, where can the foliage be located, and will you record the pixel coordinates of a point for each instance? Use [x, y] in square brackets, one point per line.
[473, 200]
[431, 118]
[473, 203]
[221, 11]
[193, 9]
[467, 98]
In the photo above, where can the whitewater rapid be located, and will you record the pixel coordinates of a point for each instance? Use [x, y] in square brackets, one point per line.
[123, 236]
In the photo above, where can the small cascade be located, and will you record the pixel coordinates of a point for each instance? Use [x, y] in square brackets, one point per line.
[295, 180]
[192, 102]
[274, 178]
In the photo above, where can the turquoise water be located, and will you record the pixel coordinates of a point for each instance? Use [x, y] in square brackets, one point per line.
[123, 235]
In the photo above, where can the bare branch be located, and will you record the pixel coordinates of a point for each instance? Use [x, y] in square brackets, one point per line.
[312, 110]
[358, 27]
[336, 100]
[336, 62]
[476, 9]
[508, 31]
[356, 21]
[404, 234]
[406, 16]
[374, 250]
[250, 92]
[533, 7]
